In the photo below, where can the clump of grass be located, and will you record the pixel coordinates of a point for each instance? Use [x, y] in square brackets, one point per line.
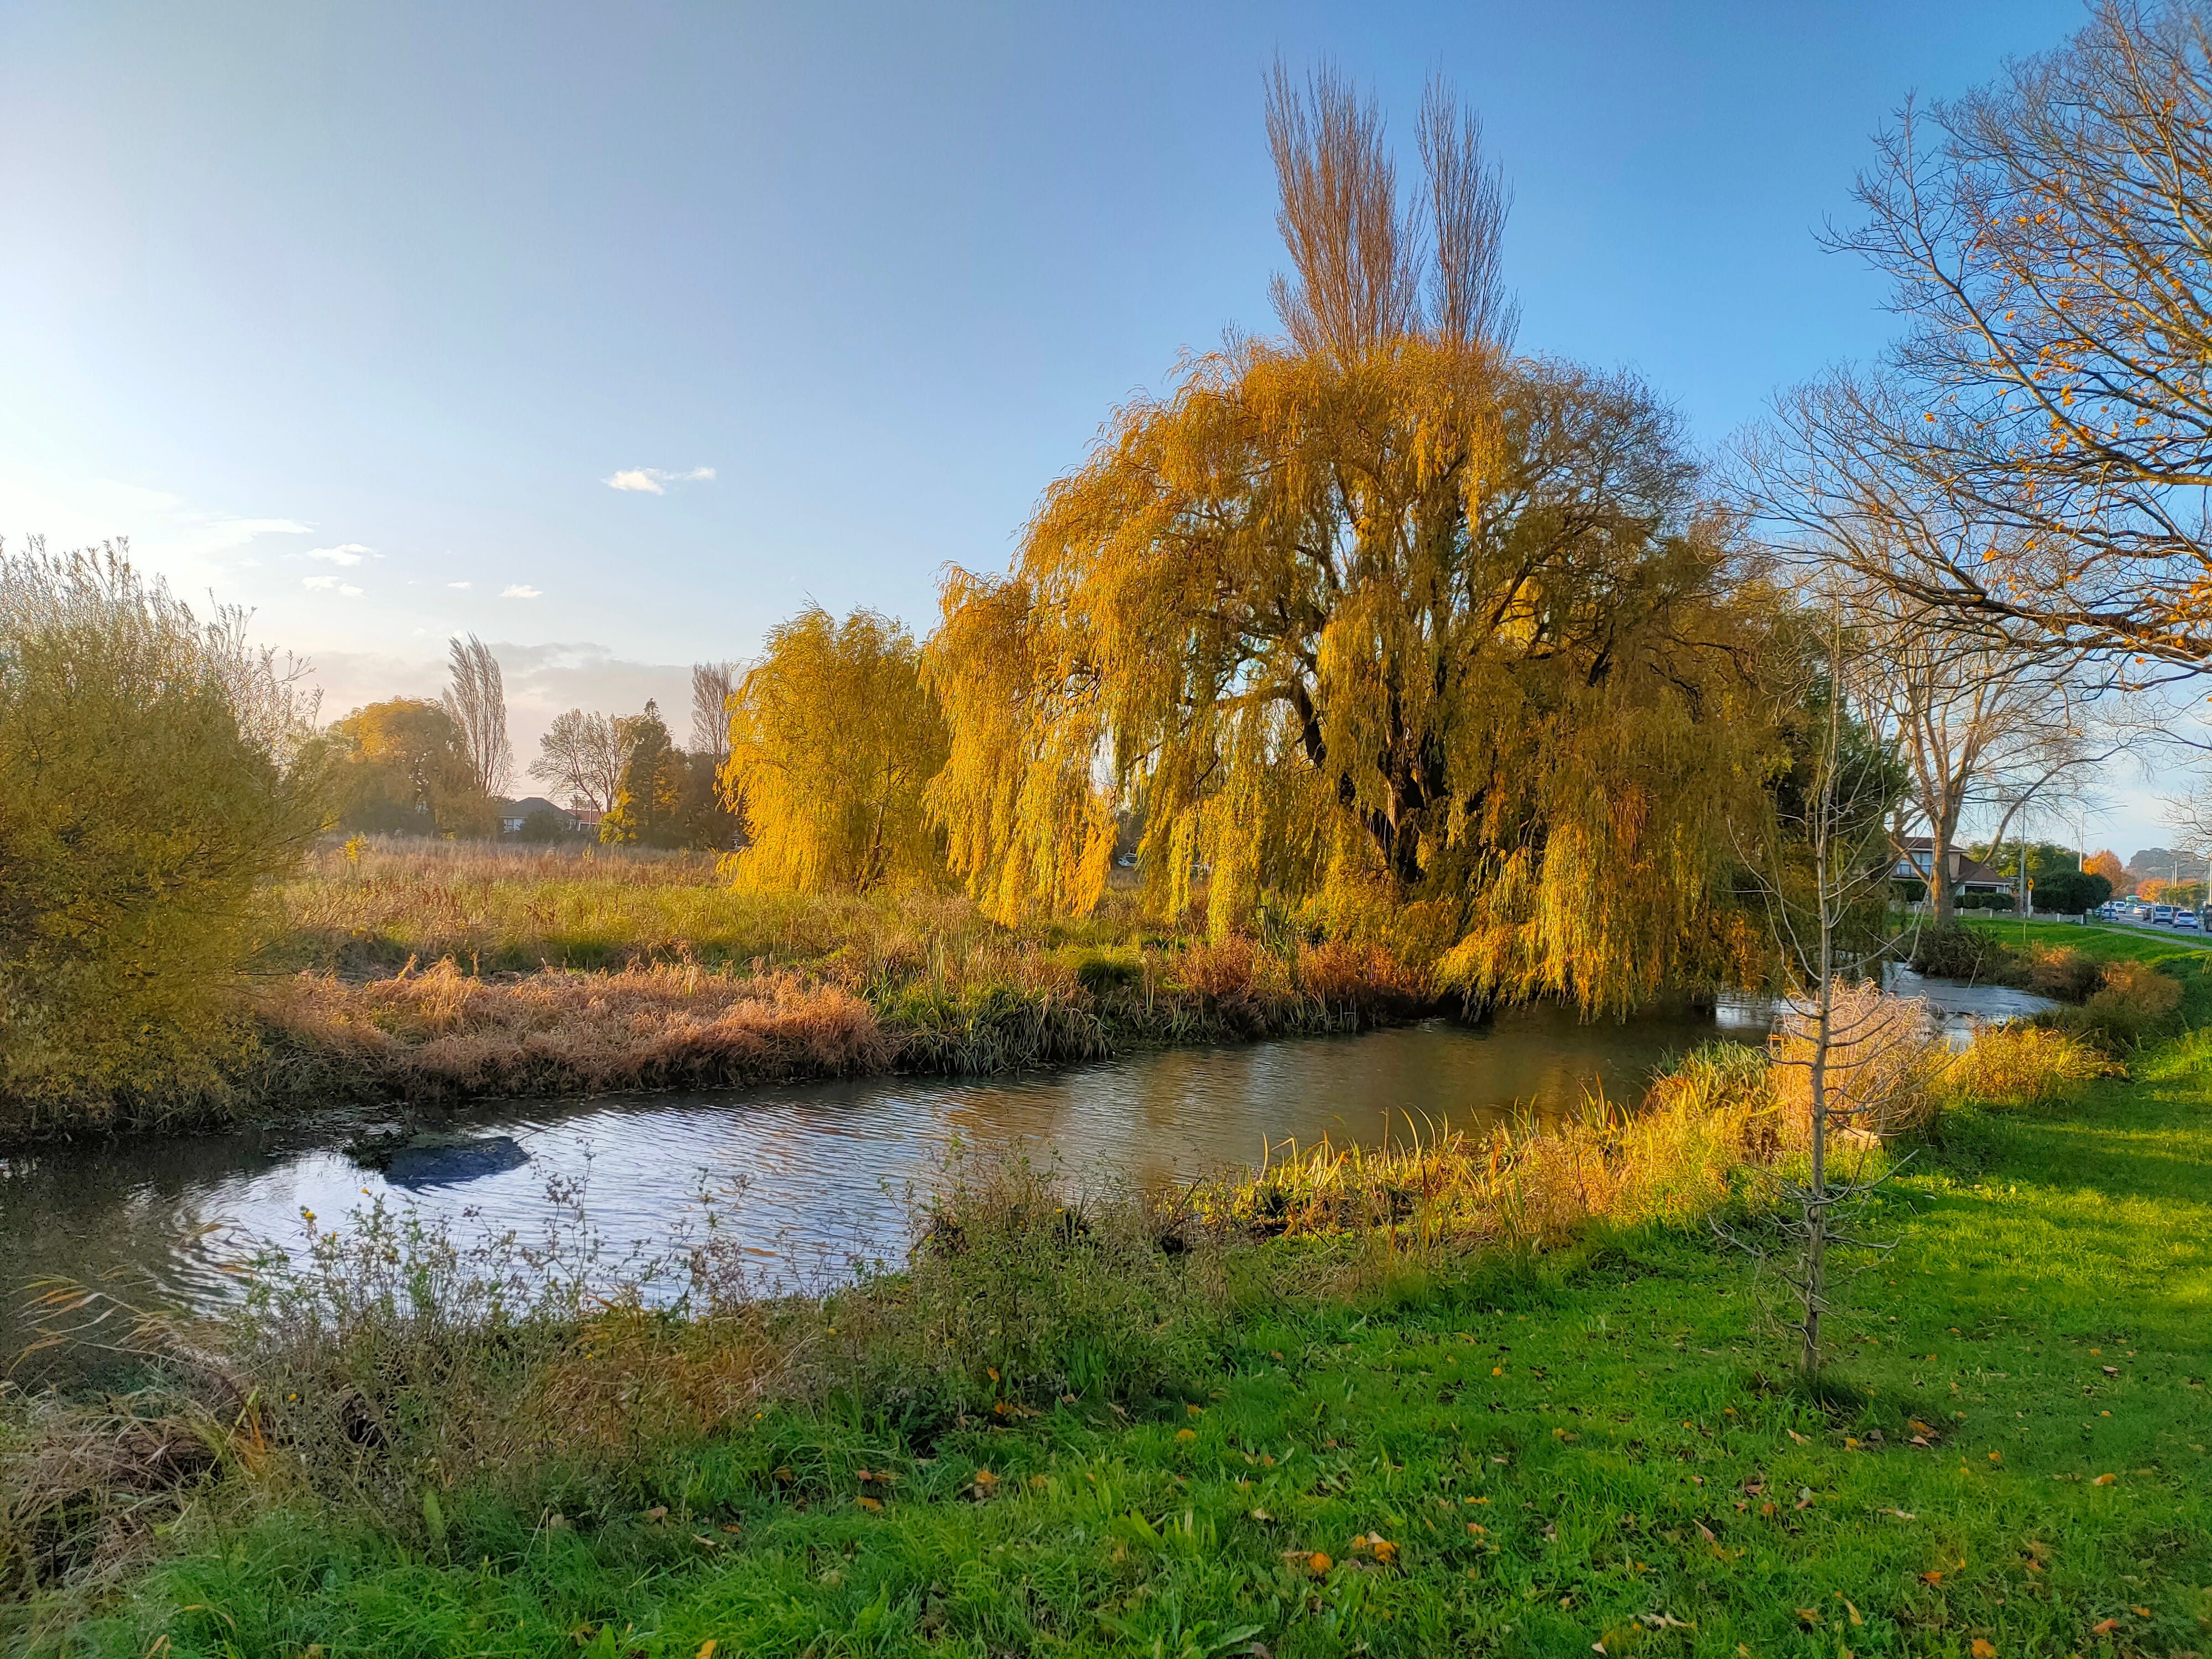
[442, 1033]
[1024, 1290]
[1528, 1186]
[2021, 1064]
[1881, 1067]
[86, 1489]
[2137, 1002]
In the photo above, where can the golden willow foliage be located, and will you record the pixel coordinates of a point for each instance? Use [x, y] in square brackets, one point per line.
[1420, 638]
[832, 737]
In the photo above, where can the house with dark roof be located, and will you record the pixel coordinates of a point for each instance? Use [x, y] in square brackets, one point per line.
[1916, 861]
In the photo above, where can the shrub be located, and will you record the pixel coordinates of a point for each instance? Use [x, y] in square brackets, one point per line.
[1882, 1062]
[144, 800]
[1959, 953]
[2063, 972]
[2135, 1003]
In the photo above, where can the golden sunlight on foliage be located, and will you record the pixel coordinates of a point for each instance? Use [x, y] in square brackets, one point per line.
[1423, 640]
[1431, 632]
[832, 737]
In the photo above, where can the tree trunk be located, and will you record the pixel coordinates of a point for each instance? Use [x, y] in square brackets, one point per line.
[1940, 890]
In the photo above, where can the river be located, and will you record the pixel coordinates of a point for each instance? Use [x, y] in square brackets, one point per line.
[805, 1177]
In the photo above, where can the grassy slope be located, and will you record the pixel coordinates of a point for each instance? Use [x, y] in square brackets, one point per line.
[1602, 1422]
[2102, 944]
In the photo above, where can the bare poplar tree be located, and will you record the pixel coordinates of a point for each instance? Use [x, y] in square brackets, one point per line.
[713, 685]
[583, 754]
[1360, 258]
[1467, 301]
[476, 699]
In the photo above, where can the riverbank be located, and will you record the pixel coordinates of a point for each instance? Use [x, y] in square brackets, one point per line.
[425, 973]
[1516, 1393]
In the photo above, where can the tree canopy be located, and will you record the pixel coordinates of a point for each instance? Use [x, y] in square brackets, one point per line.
[403, 766]
[832, 739]
[1378, 619]
[2045, 236]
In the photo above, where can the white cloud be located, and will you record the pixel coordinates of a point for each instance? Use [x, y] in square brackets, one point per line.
[653, 480]
[346, 553]
[319, 581]
[330, 585]
[353, 592]
[460, 583]
[520, 591]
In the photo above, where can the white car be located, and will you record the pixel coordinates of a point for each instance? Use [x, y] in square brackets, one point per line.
[2188, 919]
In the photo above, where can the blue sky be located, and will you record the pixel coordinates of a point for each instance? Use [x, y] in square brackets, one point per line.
[336, 310]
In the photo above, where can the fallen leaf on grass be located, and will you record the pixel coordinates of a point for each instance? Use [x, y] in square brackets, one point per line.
[707, 1648]
[2140, 1613]
[2104, 1627]
[1810, 1615]
[658, 1512]
[875, 1503]
[2103, 1480]
[985, 1483]
[1933, 1576]
[1902, 1514]
[1798, 1437]
[1982, 1648]
[1476, 1530]
[1261, 1515]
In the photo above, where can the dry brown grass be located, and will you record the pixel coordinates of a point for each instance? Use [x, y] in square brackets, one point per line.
[1883, 1063]
[442, 1033]
[83, 1491]
[2021, 1065]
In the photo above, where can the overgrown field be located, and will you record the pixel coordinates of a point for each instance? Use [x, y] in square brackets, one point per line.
[429, 971]
[1515, 1396]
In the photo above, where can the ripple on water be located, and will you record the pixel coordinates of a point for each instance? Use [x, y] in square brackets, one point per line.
[807, 1175]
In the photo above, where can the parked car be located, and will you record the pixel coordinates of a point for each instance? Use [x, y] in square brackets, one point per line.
[2188, 919]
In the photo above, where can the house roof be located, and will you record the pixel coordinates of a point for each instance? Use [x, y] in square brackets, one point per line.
[1966, 870]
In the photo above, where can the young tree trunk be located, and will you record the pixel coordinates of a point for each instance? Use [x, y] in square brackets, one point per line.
[1816, 1212]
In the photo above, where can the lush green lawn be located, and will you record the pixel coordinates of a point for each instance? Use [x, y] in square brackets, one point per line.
[1548, 1464]
[2104, 944]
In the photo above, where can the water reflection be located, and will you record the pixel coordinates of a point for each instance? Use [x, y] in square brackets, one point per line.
[816, 1171]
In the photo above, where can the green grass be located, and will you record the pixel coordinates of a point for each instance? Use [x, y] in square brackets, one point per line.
[2102, 944]
[2047, 1312]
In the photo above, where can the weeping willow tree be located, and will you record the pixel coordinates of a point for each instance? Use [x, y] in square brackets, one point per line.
[832, 737]
[1377, 621]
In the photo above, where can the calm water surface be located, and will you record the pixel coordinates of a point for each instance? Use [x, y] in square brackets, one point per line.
[808, 1175]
